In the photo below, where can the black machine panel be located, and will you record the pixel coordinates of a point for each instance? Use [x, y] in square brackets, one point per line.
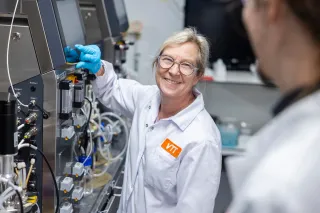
[221, 22]
[104, 18]
[31, 91]
[117, 16]
[70, 22]
[62, 23]
[120, 24]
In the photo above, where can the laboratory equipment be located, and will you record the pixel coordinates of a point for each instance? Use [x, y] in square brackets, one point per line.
[78, 98]
[103, 19]
[46, 111]
[88, 175]
[229, 131]
[9, 145]
[105, 22]
[65, 96]
[43, 110]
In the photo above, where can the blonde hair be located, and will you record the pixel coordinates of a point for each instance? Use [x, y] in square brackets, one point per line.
[189, 35]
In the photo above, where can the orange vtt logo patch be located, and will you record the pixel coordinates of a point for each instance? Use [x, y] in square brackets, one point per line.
[171, 148]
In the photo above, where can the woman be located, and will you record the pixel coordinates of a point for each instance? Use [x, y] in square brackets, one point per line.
[279, 173]
[173, 162]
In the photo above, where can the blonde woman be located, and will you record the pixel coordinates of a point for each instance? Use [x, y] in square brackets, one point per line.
[173, 160]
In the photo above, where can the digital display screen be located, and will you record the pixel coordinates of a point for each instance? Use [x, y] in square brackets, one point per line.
[121, 12]
[70, 22]
[117, 16]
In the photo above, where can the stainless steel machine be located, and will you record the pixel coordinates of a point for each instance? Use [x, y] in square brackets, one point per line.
[105, 23]
[53, 115]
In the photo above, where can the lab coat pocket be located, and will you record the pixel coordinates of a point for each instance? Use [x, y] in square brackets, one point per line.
[161, 170]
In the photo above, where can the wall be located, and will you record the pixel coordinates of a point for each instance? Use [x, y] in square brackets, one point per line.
[249, 103]
[160, 18]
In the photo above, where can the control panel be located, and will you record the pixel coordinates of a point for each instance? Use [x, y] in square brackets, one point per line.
[29, 130]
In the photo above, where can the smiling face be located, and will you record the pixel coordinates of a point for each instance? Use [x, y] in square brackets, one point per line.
[171, 82]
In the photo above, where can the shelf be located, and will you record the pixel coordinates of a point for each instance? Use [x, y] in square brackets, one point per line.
[240, 77]
[238, 150]
[99, 197]
[232, 151]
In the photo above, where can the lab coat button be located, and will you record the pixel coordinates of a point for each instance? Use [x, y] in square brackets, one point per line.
[152, 128]
[149, 107]
[147, 125]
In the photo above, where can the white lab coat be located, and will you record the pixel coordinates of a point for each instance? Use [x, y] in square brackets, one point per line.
[154, 180]
[279, 172]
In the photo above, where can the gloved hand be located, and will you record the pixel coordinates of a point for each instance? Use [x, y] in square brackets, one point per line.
[89, 58]
[71, 55]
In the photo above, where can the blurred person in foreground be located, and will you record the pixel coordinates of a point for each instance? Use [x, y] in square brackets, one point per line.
[278, 173]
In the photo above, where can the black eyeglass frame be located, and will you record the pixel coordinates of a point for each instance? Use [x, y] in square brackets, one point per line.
[195, 69]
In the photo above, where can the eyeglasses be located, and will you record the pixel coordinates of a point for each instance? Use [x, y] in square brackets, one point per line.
[166, 62]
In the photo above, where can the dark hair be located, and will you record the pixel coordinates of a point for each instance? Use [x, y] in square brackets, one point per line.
[308, 11]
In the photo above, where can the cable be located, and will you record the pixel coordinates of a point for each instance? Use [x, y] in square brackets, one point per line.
[19, 177]
[87, 126]
[20, 127]
[6, 191]
[6, 197]
[74, 151]
[45, 114]
[8, 48]
[30, 170]
[82, 150]
[91, 142]
[2, 179]
[38, 210]
[24, 114]
[91, 149]
[24, 176]
[89, 117]
[10, 194]
[125, 130]
[101, 152]
[99, 130]
[21, 142]
[20, 201]
[51, 171]
[96, 115]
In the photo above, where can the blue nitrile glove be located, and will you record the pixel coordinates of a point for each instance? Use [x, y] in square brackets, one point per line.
[71, 55]
[89, 58]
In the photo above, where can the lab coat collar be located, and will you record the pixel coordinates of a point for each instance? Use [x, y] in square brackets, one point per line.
[292, 97]
[286, 101]
[184, 118]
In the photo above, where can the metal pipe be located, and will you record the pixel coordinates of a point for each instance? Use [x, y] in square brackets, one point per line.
[6, 165]
[6, 169]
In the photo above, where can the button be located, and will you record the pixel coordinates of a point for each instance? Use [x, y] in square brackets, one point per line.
[147, 125]
[152, 128]
[149, 107]
[33, 89]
